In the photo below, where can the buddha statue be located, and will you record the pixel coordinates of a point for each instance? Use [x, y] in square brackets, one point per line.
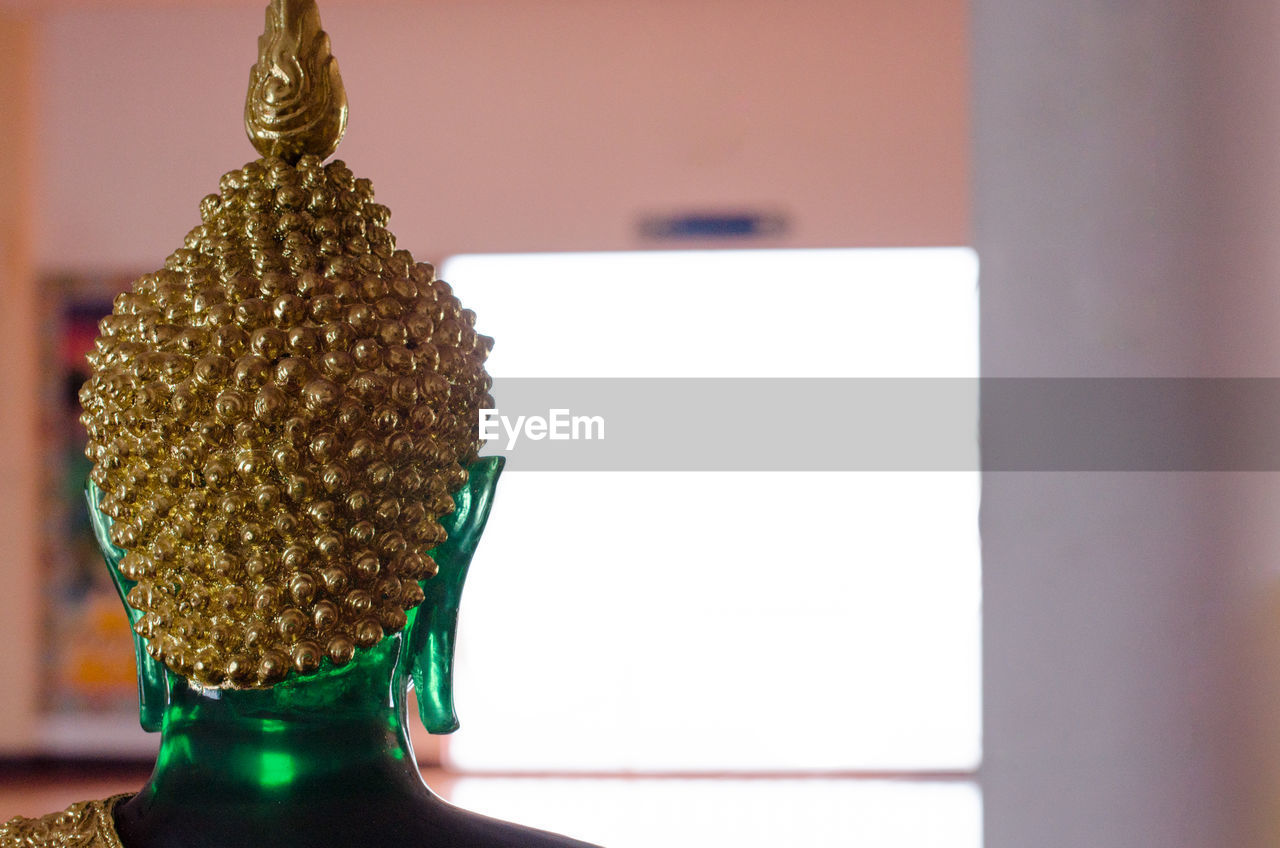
[287, 491]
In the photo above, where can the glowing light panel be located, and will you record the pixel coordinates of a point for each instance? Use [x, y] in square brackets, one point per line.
[753, 622]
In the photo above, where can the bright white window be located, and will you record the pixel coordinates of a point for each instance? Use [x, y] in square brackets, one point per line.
[725, 622]
[726, 313]
[743, 813]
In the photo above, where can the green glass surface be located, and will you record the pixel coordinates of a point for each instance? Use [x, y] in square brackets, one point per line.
[323, 759]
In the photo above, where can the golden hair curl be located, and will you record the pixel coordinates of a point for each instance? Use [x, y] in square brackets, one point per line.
[278, 419]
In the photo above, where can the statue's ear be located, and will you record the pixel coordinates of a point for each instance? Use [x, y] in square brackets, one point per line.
[431, 638]
[153, 684]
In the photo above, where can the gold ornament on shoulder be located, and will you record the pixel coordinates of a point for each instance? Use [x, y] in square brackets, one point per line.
[86, 824]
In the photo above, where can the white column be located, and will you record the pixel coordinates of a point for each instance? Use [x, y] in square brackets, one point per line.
[1127, 182]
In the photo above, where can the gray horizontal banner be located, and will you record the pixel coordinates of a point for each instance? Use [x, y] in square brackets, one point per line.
[1025, 424]
[734, 425]
[1131, 424]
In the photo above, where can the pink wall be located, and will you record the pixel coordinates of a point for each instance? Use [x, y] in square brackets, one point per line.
[19, 464]
[513, 125]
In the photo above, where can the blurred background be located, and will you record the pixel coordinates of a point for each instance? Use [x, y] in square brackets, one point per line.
[1103, 676]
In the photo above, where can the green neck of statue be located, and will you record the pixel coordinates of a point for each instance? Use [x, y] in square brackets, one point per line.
[328, 737]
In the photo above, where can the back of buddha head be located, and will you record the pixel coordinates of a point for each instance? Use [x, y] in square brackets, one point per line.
[278, 417]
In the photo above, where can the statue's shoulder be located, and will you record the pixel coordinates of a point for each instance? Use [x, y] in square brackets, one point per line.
[465, 828]
[91, 824]
[85, 824]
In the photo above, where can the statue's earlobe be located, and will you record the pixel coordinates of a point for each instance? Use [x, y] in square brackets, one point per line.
[431, 639]
[153, 684]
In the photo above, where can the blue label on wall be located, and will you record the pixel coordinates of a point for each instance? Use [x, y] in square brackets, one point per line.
[714, 225]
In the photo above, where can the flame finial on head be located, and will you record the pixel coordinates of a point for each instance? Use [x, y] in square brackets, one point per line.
[296, 104]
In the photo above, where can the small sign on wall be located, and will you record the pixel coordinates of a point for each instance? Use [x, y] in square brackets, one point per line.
[729, 225]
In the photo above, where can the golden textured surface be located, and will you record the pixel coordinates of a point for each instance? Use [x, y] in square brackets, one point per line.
[86, 824]
[296, 103]
[277, 420]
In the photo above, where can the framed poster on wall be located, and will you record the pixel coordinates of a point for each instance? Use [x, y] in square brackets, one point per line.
[88, 689]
